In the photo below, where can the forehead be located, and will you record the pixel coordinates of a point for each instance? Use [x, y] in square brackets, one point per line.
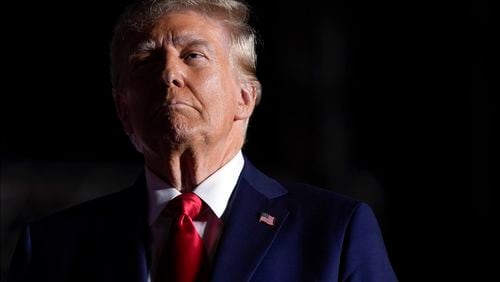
[181, 27]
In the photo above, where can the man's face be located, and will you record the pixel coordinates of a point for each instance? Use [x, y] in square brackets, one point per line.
[179, 84]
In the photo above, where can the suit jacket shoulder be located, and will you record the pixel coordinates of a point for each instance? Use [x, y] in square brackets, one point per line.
[84, 241]
[315, 235]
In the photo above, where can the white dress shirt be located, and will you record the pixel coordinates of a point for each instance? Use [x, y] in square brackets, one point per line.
[213, 191]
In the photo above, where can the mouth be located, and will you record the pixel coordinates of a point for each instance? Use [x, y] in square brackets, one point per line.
[174, 105]
[177, 104]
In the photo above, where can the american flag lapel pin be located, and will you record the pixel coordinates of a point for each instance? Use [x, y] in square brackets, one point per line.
[267, 218]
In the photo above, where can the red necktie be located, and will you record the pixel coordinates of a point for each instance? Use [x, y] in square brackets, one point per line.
[184, 247]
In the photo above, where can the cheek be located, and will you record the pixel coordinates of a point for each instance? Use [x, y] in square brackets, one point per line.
[147, 86]
[142, 108]
[218, 88]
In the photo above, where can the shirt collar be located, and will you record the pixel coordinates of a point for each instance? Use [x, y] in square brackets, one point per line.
[214, 190]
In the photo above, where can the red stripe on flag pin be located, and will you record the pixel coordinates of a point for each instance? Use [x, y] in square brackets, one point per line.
[267, 218]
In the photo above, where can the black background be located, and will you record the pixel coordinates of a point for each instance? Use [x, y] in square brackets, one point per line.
[385, 101]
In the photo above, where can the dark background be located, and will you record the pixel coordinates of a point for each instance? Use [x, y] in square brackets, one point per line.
[387, 102]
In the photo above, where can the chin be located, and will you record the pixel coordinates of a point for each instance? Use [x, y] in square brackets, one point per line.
[179, 129]
[180, 134]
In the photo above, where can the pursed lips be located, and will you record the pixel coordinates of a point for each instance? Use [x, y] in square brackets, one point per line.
[175, 103]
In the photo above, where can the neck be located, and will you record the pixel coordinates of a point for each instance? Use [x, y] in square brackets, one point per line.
[185, 167]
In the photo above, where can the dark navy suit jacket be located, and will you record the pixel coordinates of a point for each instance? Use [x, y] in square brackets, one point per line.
[317, 236]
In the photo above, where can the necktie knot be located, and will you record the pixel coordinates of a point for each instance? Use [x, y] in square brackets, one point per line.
[186, 203]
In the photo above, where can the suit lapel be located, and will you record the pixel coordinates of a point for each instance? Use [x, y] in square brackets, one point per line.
[128, 231]
[245, 240]
[140, 265]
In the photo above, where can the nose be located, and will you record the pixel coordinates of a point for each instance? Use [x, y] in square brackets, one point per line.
[172, 72]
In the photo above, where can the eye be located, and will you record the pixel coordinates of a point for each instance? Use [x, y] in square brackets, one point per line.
[193, 56]
[145, 59]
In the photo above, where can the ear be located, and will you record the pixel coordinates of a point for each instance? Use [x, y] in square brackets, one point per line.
[122, 110]
[245, 102]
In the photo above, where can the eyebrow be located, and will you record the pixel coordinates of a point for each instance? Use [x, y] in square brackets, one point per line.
[191, 41]
[182, 41]
[146, 45]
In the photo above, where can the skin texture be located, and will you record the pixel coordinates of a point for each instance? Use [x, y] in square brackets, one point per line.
[182, 99]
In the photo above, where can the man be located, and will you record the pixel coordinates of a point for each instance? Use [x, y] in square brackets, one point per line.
[185, 86]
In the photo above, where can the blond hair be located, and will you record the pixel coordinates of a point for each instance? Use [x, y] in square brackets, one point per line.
[234, 14]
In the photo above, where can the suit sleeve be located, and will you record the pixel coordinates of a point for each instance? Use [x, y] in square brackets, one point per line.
[20, 262]
[364, 257]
